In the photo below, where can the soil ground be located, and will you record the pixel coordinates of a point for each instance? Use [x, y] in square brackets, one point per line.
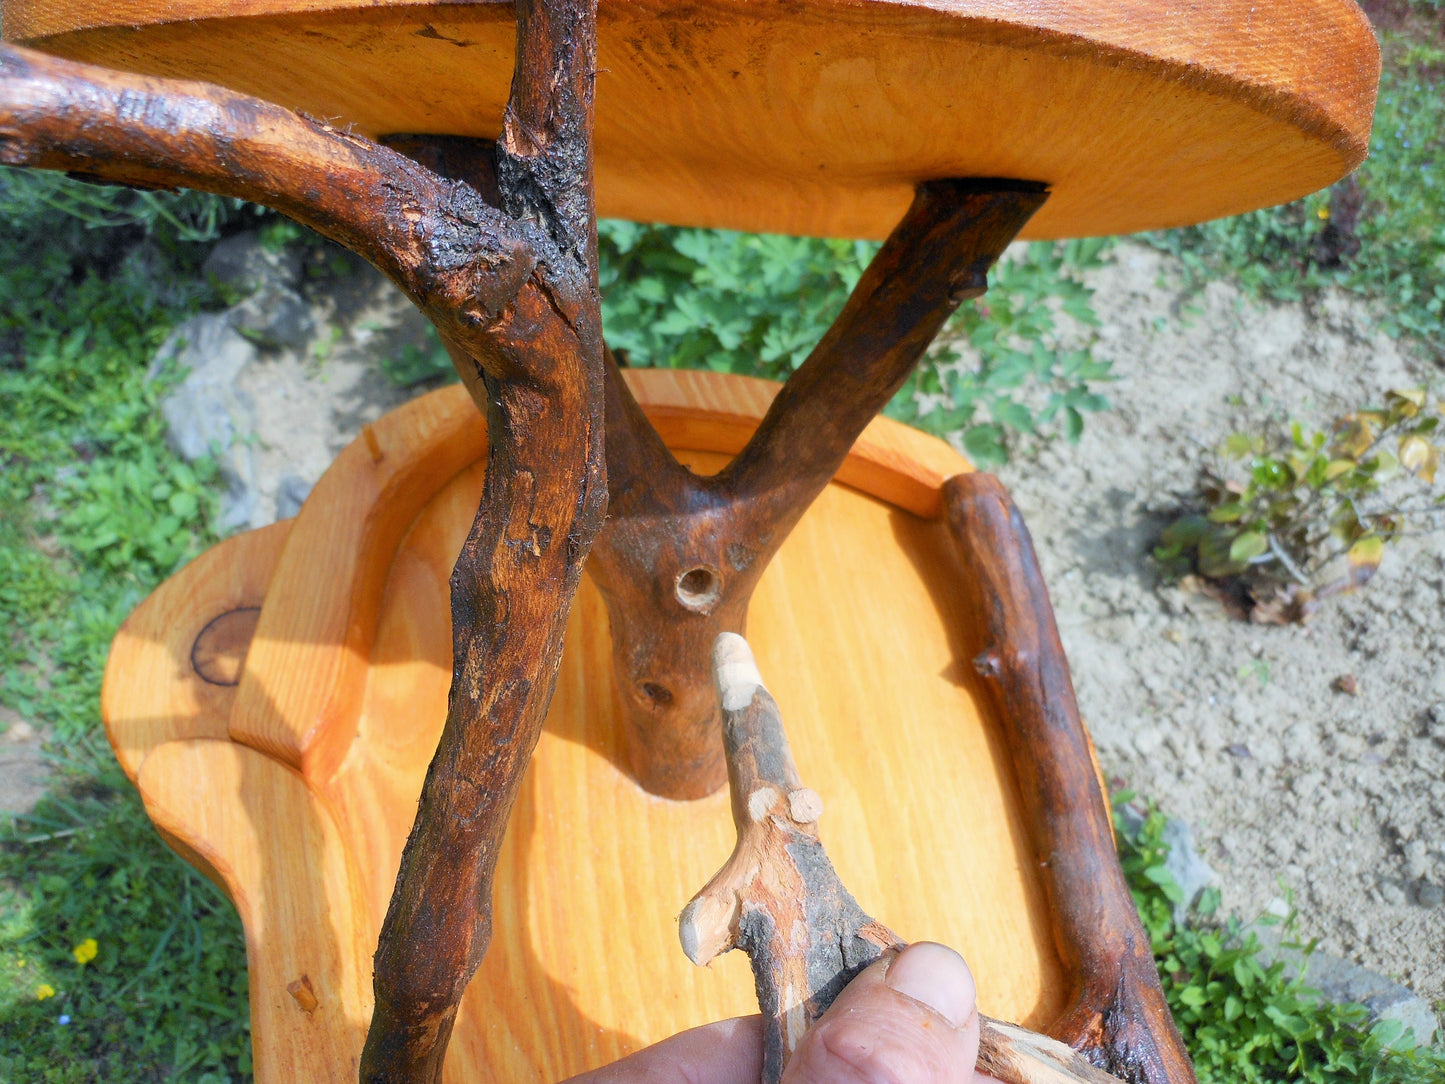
[1293, 788]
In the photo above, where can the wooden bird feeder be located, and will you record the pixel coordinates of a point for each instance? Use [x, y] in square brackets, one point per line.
[459, 851]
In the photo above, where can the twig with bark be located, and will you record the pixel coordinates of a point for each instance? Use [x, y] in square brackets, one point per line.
[779, 899]
[510, 284]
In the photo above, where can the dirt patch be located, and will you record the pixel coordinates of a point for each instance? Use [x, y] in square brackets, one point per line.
[24, 771]
[1291, 785]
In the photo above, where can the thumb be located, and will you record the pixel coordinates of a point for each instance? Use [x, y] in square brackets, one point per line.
[908, 1019]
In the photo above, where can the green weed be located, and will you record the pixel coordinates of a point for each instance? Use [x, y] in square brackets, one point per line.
[1245, 1021]
[1275, 508]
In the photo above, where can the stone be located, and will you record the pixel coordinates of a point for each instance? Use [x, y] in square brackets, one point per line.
[1429, 894]
[1392, 893]
[24, 769]
[275, 318]
[242, 264]
[291, 494]
[1417, 858]
[206, 413]
[1190, 871]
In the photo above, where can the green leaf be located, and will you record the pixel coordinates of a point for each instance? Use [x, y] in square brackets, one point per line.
[984, 445]
[1247, 546]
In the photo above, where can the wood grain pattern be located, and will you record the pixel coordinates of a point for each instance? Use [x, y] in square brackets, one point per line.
[304, 712]
[152, 694]
[297, 700]
[252, 825]
[820, 117]
[858, 581]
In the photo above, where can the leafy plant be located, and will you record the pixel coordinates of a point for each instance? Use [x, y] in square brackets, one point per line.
[1007, 355]
[1246, 1020]
[757, 304]
[1278, 508]
[715, 299]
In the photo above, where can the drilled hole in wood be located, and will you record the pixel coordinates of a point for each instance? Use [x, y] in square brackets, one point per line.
[219, 652]
[658, 694]
[698, 588]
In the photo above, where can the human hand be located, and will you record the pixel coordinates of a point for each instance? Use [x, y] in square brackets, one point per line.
[911, 1019]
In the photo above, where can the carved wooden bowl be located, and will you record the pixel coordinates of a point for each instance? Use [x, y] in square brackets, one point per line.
[278, 700]
[819, 117]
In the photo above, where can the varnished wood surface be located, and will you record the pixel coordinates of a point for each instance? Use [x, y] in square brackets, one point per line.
[855, 625]
[152, 688]
[820, 117]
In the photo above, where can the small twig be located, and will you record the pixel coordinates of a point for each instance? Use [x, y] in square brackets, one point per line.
[1278, 552]
[779, 899]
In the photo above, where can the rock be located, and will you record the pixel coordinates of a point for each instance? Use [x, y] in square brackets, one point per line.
[24, 769]
[1341, 981]
[206, 413]
[276, 318]
[291, 494]
[1190, 871]
[1428, 894]
[243, 265]
[1417, 859]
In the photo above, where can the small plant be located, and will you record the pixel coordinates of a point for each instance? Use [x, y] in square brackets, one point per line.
[757, 304]
[1244, 1018]
[1279, 508]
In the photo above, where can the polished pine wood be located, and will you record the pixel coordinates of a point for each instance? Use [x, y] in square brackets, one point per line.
[585, 965]
[821, 117]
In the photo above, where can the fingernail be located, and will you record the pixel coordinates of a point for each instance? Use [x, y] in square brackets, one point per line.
[938, 977]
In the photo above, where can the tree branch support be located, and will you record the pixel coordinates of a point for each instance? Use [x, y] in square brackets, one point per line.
[1118, 1017]
[681, 554]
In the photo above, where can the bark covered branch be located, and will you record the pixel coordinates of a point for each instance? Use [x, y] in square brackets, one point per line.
[779, 899]
[510, 283]
[682, 554]
[1118, 1016]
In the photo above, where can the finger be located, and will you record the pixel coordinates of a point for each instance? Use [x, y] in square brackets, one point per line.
[727, 1052]
[909, 1020]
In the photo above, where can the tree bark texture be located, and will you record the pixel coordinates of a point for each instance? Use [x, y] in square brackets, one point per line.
[681, 554]
[779, 899]
[1118, 1017]
[511, 286]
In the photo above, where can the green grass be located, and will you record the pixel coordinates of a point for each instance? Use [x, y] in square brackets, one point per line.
[94, 511]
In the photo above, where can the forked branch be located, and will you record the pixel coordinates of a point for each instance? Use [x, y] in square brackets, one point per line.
[682, 554]
[511, 286]
[779, 899]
